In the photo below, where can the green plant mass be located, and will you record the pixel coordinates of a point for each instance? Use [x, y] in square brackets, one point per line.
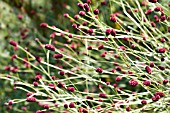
[84, 56]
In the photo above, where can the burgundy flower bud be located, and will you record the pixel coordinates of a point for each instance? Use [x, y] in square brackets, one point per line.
[52, 86]
[163, 18]
[20, 17]
[169, 29]
[14, 69]
[71, 89]
[70, 35]
[146, 83]
[157, 97]
[154, 98]
[103, 55]
[90, 31]
[74, 26]
[100, 47]
[50, 47]
[86, 7]
[157, 8]
[65, 106]
[7, 68]
[108, 31]
[10, 102]
[128, 109]
[118, 68]
[89, 48]
[162, 40]
[102, 95]
[113, 19]
[113, 32]
[113, 71]
[35, 83]
[104, 3]
[168, 18]
[80, 5]
[76, 17]
[156, 17]
[133, 82]
[13, 43]
[149, 11]
[118, 78]
[90, 98]
[14, 57]
[72, 105]
[9, 107]
[99, 70]
[82, 13]
[84, 23]
[57, 56]
[161, 68]
[114, 85]
[29, 94]
[153, 24]
[96, 11]
[62, 73]
[165, 81]
[108, 83]
[53, 35]
[39, 59]
[133, 45]
[46, 106]
[143, 102]
[31, 99]
[43, 25]
[53, 77]
[66, 15]
[130, 72]
[153, 1]
[60, 85]
[88, 1]
[148, 69]
[160, 94]
[38, 77]
[161, 50]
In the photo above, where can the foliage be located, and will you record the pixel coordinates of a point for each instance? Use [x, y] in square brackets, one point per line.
[113, 58]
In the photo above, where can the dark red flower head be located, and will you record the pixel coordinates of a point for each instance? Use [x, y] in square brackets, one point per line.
[113, 32]
[43, 25]
[118, 78]
[102, 95]
[148, 69]
[153, 1]
[86, 7]
[99, 70]
[13, 43]
[113, 19]
[133, 82]
[46, 106]
[149, 11]
[57, 56]
[71, 89]
[146, 83]
[161, 50]
[165, 81]
[82, 13]
[72, 105]
[108, 31]
[144, 102]
[31, 99]
[50, 47]
[96, 11]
